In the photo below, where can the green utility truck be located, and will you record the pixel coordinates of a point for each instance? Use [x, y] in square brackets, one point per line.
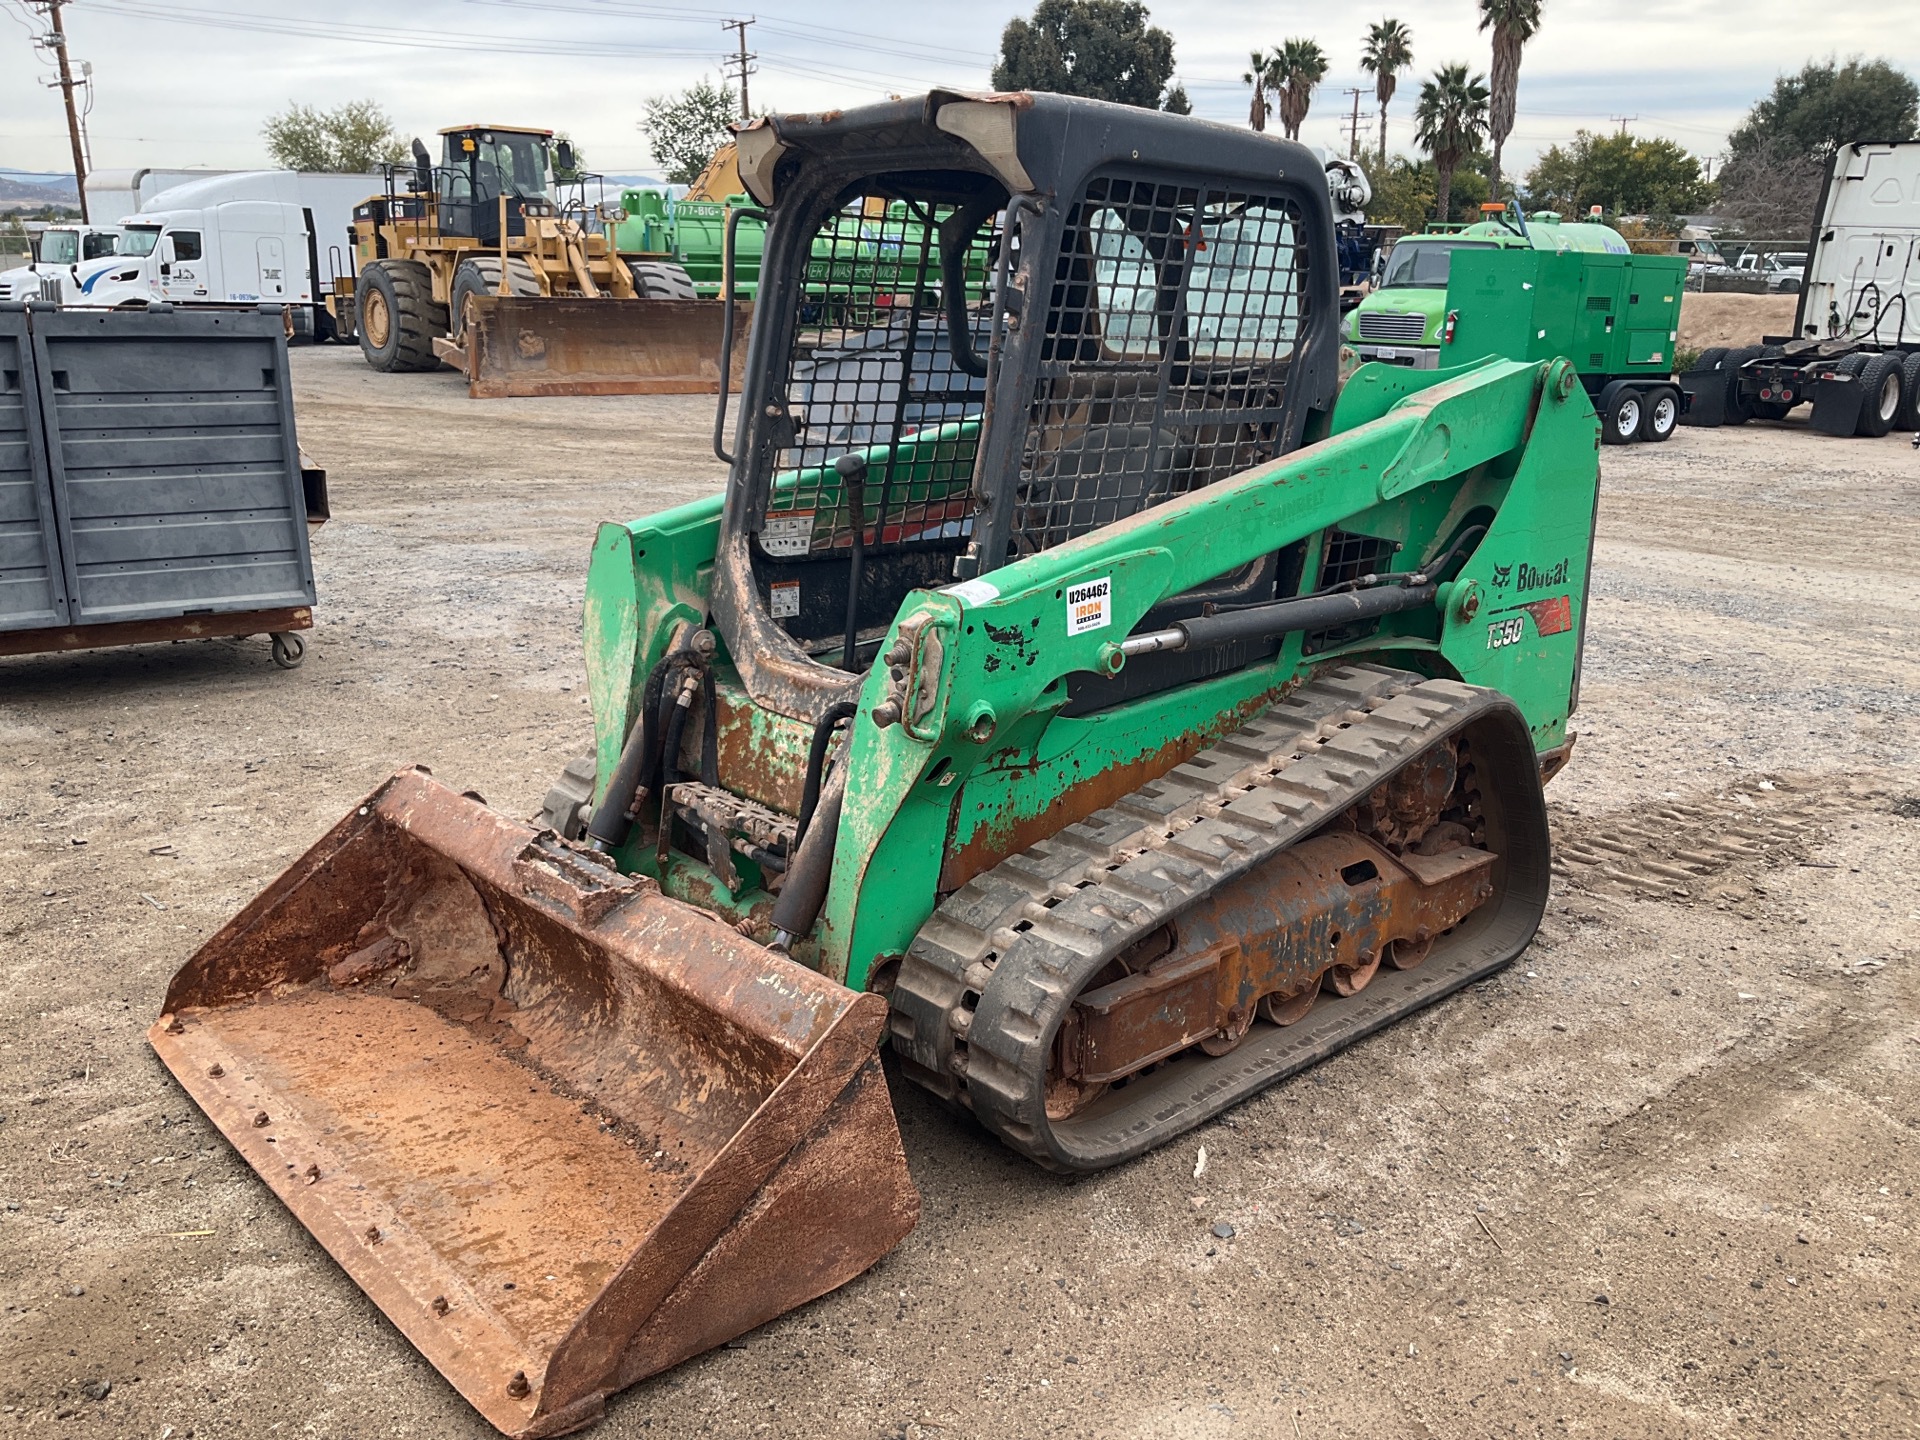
[1615, 317]
[1399, 323]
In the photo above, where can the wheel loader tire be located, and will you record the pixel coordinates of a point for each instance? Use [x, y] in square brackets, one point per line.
[1739, 411]
[482, 277]
[1661, 416]
[398, 317]
[1770, 409]
[661, 280]
[1882, 396]
[1620, 425]
[569, 803]
[1910, 400]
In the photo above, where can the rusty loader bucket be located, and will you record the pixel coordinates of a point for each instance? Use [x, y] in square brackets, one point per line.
[566, 1132]
[552, 345]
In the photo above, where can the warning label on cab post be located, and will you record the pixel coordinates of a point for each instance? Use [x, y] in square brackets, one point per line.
[1090, 606]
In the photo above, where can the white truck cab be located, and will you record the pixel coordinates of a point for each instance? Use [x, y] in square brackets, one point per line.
[52, 276]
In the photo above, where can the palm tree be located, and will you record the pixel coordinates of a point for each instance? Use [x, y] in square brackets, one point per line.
[1513, 23]
[1300, 65]
[1449, 121]
[1389, 50]
[1261, 77]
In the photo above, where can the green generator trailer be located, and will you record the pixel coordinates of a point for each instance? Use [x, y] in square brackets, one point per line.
[1616, 318]
[1115, 717]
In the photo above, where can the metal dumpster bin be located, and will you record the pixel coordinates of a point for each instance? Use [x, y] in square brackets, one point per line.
[151, 484]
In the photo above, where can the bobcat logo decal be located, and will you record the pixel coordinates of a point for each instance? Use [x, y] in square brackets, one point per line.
[1501, 574]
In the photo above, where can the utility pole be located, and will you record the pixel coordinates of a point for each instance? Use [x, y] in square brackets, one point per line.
[1353, 129]
[57, 43]
[743, 60]
[1623, 119]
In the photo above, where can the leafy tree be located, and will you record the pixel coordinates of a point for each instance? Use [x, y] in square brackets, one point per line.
[1100, 49]
[684, 130]
[1449, 123]
[1300, 65]
[1624, 173]
[1176, 101]
[351, 138]
[1389, 50]
[1778, 154]
[1513, 23]
[1259, 74]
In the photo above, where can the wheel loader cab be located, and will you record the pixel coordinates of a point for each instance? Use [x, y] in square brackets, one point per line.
[990, 327]
[479, 165]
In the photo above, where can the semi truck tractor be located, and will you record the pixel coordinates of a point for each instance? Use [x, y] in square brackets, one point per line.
[1854, 354]
[52, 276]
[1399, 323]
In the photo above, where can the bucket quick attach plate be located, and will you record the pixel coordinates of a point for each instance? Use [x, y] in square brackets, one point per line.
[566, 1132]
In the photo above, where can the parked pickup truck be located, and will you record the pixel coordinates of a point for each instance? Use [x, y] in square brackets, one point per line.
[1785, 271]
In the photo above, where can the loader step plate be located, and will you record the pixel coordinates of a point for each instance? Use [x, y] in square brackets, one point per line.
[996, 995]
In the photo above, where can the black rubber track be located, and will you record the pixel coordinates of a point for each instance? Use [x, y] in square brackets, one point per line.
[987, 982]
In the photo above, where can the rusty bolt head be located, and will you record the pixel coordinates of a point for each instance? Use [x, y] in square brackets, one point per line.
[885, 714]
[900, 654]
[261, 1120]
[1470, 604]
[745, 927]
[176, 1026]
[373, 1234]
[1421, 935]
[216, 1071]
[518, 1387]
[704, 643]
[439, 1304]
[313, 1173]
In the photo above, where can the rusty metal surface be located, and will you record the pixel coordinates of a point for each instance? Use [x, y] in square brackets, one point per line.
[562, 1129]
[546, 345]
[1326, 910]
[148, 632]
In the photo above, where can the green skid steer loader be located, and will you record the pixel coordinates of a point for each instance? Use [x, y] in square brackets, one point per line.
[1076, 687]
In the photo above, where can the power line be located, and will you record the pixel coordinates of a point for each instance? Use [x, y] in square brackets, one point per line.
[54, 43]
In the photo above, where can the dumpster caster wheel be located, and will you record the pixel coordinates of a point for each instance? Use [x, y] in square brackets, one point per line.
[288, 651]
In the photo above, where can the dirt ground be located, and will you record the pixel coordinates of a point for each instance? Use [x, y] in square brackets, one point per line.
[1655, 1180]
[1731, 320]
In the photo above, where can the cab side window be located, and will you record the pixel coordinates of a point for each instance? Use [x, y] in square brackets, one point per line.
[186, 244]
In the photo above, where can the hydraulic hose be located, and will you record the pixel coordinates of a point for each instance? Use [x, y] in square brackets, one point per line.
[798, 907]
[613, 816]
[816, 763]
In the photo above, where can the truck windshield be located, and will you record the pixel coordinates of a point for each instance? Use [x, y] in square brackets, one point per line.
[513, 165]
[1423, 264]
[59, 247]
[139, 240]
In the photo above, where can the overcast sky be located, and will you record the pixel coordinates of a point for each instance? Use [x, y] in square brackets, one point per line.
[189, 83]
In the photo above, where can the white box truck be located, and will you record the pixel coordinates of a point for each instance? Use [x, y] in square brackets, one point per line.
[266, 237]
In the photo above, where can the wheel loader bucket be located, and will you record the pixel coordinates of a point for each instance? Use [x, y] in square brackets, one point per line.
[565, 1131]
[554, 345]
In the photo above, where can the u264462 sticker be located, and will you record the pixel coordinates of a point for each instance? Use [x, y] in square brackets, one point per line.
[1090, 605]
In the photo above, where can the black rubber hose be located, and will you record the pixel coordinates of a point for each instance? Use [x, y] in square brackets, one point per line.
[817, 761]
[612, 820]
[798, 907]
[709, 731]
[670, 750]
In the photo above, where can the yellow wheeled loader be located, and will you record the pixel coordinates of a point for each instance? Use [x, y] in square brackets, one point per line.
[471, 262]
[1075, 682]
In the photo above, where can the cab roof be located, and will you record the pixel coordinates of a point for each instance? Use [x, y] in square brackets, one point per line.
[504, 129]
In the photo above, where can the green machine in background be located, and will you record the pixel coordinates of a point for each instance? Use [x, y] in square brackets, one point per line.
[1616, 317]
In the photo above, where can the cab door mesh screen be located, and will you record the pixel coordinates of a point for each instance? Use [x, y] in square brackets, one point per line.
[870, 370]
[1173, 318]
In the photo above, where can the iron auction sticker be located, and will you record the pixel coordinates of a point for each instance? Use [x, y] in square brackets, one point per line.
[1090, 605]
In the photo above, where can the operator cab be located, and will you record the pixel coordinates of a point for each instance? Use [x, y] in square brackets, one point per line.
[480, 164]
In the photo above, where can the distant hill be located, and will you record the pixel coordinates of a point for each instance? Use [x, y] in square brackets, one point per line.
[20, 194]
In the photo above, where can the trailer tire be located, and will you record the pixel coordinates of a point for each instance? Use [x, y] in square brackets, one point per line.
[1711, 359]
[398, 317]
[1739, 410]
[482, 277]
[1910, 400]
[1660, 415]
[1622, 416]
[661, 280]
[1882, 397]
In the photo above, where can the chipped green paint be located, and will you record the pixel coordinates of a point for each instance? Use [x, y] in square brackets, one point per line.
[1412, 456]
